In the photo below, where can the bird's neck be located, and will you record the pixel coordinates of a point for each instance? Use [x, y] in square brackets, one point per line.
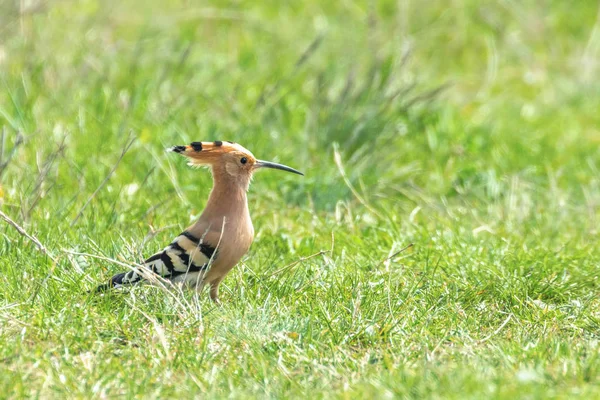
[227, 197]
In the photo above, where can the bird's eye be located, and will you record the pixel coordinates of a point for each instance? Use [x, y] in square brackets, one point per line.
[244, 160]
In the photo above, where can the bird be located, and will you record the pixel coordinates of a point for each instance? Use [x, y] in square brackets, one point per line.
[205, 252]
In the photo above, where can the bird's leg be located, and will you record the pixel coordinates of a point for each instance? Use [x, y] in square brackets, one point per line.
[214, 290]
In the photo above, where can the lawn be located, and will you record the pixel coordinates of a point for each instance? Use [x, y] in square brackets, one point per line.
[467, 129]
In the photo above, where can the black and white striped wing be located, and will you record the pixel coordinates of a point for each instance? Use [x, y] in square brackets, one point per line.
[184, 255]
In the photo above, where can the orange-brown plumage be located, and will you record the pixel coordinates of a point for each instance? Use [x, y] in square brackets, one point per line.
[207, 250]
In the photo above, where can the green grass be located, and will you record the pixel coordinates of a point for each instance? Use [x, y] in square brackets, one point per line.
[493, 178]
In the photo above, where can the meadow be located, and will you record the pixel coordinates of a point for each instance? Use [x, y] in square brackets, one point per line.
[442, 244]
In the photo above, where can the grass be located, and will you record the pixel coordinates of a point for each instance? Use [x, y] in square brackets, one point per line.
[467, 128]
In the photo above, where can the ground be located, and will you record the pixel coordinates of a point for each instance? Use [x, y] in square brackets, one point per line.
[468, 129]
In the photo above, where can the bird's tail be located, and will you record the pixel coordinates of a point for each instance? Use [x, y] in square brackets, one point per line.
[115, 281]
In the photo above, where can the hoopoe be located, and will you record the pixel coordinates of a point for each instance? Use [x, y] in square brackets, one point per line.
[207, 250]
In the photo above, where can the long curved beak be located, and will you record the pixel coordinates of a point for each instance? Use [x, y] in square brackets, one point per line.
[268, 164]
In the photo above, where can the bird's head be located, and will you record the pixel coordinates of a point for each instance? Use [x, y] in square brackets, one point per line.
[227, 159]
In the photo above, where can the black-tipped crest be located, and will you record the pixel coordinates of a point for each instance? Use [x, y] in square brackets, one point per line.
[177, 149]
[197, 146]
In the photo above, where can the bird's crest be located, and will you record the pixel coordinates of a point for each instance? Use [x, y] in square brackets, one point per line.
[234, 158]
[217, 146]
[203, 153]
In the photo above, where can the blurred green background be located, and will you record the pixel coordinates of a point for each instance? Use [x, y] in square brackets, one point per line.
[467, 128]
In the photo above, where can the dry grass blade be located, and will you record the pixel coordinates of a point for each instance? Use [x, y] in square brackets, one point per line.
[310, 50]
[394, 255]
[427, 96]
[338, 161]
[39, 245]
[301, 259]
[304, 57]
[130, 266]
[497, 330]
[18, 142]
[31, 238]
[43, 184]
[110, 174]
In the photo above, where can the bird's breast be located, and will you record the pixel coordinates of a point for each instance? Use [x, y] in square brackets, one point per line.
[233, 244]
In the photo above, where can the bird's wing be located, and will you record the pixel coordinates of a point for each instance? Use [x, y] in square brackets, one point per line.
[187, 253]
